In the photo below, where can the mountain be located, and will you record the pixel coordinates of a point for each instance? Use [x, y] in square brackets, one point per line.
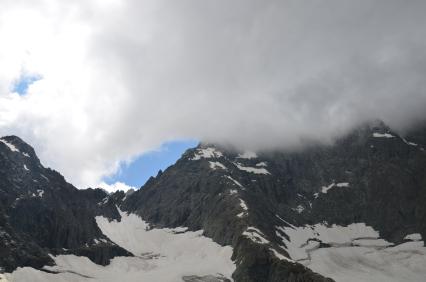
[350, 211]
[369, 188]
[42, 214]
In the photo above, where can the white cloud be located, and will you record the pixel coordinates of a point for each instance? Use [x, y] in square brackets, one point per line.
[110, 188]
[118, 78]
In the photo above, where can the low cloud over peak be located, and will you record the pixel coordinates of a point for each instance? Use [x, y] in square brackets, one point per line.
[118, 78]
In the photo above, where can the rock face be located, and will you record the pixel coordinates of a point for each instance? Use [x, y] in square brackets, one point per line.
[372, 176]
[40, 213]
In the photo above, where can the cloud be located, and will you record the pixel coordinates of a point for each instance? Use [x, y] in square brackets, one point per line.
[111, 188]
[118, 78]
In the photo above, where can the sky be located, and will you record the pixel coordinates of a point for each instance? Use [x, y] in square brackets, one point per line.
[133, 174]
[95, 85]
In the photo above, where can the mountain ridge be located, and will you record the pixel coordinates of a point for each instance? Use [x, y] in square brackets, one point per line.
[278, 210]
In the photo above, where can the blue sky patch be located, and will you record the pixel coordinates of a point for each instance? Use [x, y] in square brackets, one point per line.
[138, 172]
[22, 84]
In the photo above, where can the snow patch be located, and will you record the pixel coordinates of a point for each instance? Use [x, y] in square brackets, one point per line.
[26, 168]
[405, 262]
[262, 164]
[382, 135]
[235, 181]
[44, 176]
[280, 256]
[9, 145]
[299, 208]
[254, 170]
[325, 189]
[233, 192]
[243, 205]
[408, 142]
[413, 237]
[216, 165]
[206, 153]
[160, 255]
[40, 193]
[255, 235]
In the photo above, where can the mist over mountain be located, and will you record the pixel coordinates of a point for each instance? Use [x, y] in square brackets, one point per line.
[252, 74]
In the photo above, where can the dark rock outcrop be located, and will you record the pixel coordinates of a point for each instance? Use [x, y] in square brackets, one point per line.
[40, 213]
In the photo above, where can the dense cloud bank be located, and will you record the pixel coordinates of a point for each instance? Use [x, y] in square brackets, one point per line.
[118, 78]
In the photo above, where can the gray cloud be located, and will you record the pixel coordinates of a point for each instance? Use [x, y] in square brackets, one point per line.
[253, 74]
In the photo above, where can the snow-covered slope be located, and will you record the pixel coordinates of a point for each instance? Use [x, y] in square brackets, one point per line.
[355, 253]
[165, 255]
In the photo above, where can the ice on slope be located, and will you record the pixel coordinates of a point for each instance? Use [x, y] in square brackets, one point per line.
[164, 255]
[356, 253]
